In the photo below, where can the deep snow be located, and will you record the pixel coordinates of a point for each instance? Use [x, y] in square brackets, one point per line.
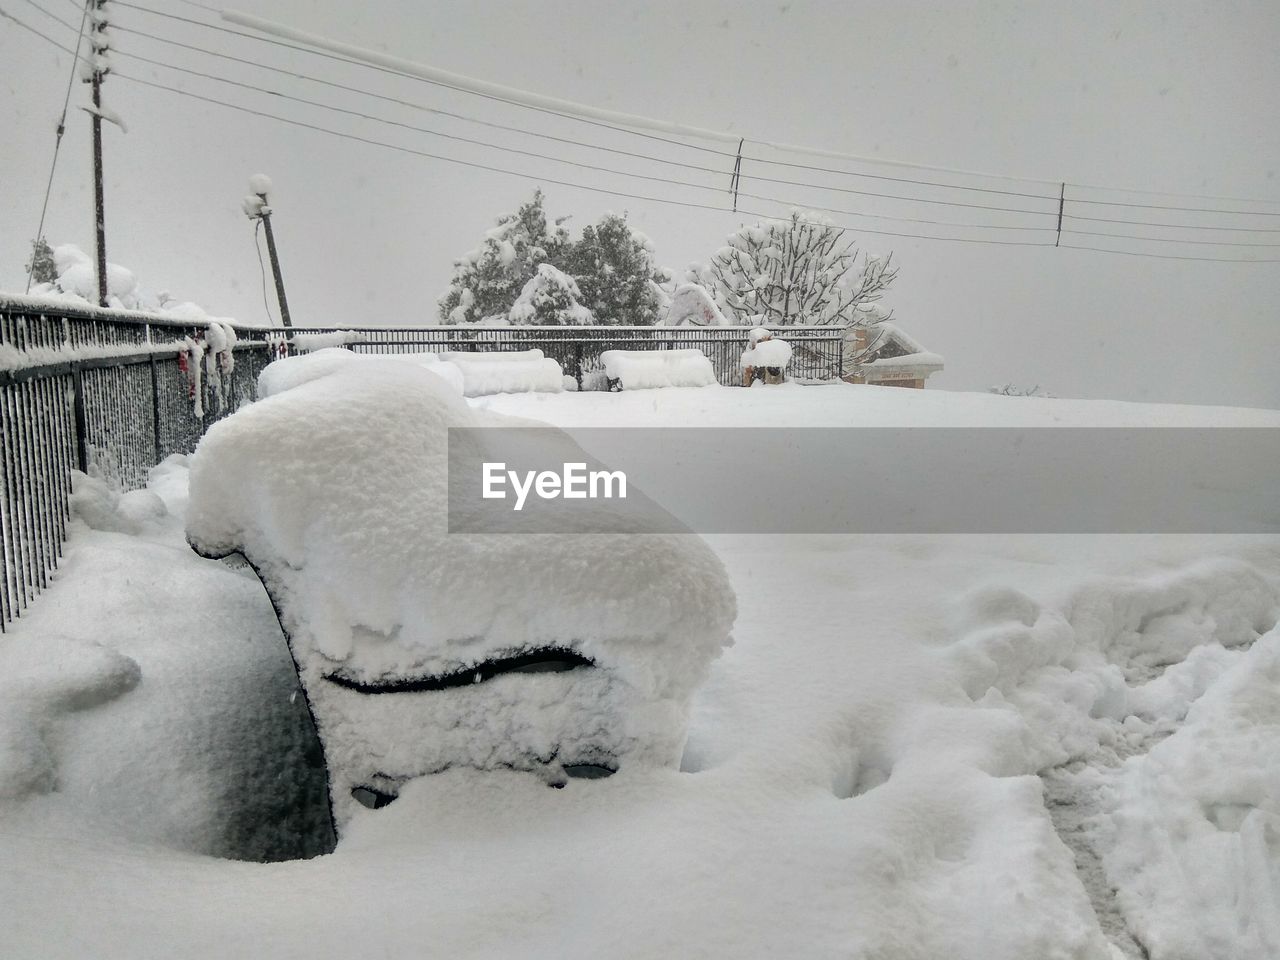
[859, 778]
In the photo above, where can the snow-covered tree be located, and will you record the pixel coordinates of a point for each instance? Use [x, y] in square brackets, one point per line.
[800, 270]
[550, 298]
[41, 266]
[613, 265]
[487, 280]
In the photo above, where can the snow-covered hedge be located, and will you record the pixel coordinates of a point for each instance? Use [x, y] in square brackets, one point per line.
[311, 342]
[290, 372]
[523, 371]
[335, 488]
[643, 369]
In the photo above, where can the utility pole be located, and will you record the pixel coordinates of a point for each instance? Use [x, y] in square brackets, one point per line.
[257, 208]
[98, 47]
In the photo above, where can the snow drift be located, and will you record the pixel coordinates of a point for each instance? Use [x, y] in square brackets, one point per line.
[508, 371]
[645, 369]
[420, 650]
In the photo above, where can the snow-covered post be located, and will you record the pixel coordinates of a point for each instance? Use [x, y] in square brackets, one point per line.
[256, 208]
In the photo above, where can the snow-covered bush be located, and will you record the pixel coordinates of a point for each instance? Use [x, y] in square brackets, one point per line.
[646, 369]
[507, 371]
[550, 298]
[289, 372]
[405, 635]
[76, 279]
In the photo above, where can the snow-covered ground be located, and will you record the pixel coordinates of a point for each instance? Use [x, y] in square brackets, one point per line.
[866, 772]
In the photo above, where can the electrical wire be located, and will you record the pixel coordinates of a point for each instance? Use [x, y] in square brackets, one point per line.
[324, 53]
[574, 163]
[524, 176]
[438, 83]
[262, 268]
[628, 153]
[1167, 256]
[752, 158]
[1178, 226]
[1212, 243]
[664, 200]
[1156, 206]
[57, 143]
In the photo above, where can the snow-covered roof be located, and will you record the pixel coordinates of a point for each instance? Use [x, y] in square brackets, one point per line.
[908, 355]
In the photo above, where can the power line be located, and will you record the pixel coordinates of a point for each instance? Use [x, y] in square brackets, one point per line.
[57, 143]
[848, 173]
[1173, 226]
[1212, 243]
[75, 54]
[556, 159]
[525, 176]
[620, 129]
[580, 109]
[880, 176]
[438, 83]
[606, 191]
[579, 143]
[1156, 206]
[1167, 256]
[574, 163]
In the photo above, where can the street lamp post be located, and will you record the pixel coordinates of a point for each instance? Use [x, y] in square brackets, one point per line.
[257, 208]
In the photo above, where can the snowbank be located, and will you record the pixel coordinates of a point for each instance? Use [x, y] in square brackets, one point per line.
[1197, 821]
[102, 507]
[335, 489]
[514, 371]
[644, 369]
[151, 700]
[289, 372]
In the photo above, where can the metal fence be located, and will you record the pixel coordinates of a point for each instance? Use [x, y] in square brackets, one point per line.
[817, 352]
[105, 392]
[113, 393]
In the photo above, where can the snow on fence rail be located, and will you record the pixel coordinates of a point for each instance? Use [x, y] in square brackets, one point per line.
[113, 392]
[818, 351]
[102, 391]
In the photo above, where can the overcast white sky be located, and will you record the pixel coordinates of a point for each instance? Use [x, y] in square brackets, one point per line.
[1178, 97]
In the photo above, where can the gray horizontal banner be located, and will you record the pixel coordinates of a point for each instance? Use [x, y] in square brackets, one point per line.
[872, 480]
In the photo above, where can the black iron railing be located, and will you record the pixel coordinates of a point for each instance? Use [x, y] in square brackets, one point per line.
[113, 393]
[817, 352]
[105, 392]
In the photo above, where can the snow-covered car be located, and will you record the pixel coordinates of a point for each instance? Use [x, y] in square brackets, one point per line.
[419, 649]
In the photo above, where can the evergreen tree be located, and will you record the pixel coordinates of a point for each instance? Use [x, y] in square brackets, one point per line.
[550, 298]
[41, 266]
[613, 265]
[487, 281]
